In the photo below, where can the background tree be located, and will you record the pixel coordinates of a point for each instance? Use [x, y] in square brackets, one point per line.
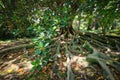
[15, 18]
[106, 12]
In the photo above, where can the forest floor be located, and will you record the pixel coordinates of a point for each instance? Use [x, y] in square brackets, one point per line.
[15, 64]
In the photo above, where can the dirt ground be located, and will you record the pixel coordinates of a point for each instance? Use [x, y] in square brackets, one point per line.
[16, 65]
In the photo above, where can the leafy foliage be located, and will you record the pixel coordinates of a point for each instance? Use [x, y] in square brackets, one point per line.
[52, 21]
[15, 18]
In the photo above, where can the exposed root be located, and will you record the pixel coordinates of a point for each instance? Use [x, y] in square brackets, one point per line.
[4, 52]
[70, 75]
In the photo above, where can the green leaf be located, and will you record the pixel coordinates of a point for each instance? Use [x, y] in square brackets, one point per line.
[37, 60]
[44, 63]
[40, 44]
[1, 4]
[46, 44]
[44, 52]
[33, 63]
[33, 68]
[39, 67]
[37, 52]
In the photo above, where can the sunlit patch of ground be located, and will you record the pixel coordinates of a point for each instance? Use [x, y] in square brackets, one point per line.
[16, 64]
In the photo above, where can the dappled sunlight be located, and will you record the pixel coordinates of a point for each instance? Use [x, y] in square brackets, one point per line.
[77, 63]
[12, 67]
[59, 40]
[16, 63]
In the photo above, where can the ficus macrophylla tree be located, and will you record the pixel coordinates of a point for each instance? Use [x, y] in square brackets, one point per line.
[65, 11]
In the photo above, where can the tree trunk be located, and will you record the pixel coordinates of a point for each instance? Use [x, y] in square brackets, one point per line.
[67, 30]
